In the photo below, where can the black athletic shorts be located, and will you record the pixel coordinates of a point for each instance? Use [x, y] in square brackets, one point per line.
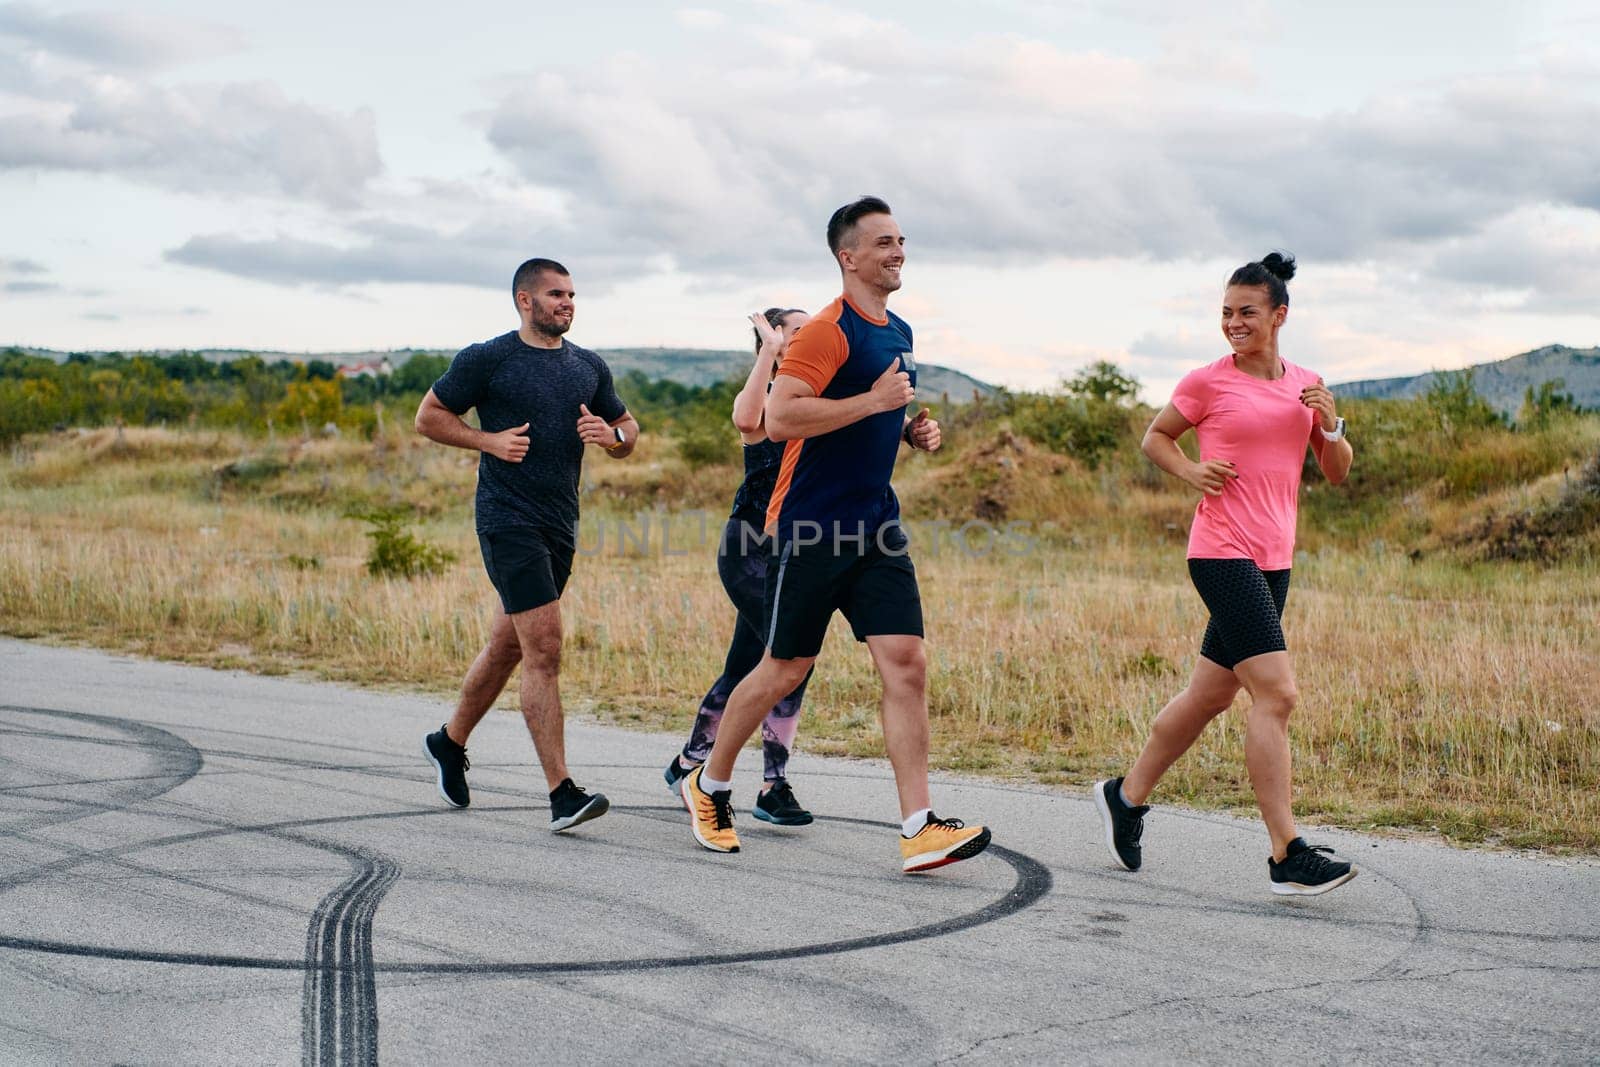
[529, 565]
[1246, 606]
[875, 586]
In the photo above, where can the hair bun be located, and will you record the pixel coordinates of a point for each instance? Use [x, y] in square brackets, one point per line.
[1279, 264]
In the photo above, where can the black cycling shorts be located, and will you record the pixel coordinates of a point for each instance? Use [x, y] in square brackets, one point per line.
[874, 585]
[529, 565]
[1246, 605]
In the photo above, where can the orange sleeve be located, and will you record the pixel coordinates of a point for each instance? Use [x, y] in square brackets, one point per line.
[816, 354]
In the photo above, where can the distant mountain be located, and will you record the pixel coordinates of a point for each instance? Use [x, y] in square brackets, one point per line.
[1504, 383]
[687, 366]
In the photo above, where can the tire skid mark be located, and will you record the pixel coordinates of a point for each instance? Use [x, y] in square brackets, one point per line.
[339, 1003]
[175, 762]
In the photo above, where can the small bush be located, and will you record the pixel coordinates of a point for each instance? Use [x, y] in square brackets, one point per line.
[705, 434]
[1088, 419]
[396, 551]
[1457, 405]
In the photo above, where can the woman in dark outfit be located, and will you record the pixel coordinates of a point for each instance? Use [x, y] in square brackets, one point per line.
[742, 561]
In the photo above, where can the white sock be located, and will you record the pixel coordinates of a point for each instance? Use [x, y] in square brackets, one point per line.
[915, 822]
[709, 785]
[1124, 797]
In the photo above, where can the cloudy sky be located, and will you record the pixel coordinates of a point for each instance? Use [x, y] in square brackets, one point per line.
[1075, 179]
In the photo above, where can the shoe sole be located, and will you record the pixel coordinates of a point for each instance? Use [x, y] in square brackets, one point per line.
[798, 820]
[1295, 889]
[694, 824]
[964, 851]
[1104, 809]
[439, 782]
[596, 807]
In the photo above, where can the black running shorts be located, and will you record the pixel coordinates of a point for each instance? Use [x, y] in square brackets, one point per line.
[529, 565]
[874, 585]
[1246, 605]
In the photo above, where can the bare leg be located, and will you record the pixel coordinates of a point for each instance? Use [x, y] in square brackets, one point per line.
[748, 705]
[539, 634]
[903, 666]
[1210, 692]
[486, 678]
[1270, 680]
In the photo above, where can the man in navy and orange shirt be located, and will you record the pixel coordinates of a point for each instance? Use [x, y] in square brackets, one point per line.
[840, 402]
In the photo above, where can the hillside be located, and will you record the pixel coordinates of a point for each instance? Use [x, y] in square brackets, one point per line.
[1503, 383]
[686, 366]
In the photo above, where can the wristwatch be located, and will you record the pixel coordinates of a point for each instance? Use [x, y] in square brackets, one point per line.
[1335, 434]
[622, 439]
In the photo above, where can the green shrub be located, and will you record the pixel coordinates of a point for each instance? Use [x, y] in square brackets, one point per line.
[396, 551]
[1089, 418]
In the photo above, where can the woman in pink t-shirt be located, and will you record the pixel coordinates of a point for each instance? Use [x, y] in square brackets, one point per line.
[1254, 415]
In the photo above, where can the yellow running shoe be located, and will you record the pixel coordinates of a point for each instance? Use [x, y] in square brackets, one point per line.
[941, 841]
[710, 814]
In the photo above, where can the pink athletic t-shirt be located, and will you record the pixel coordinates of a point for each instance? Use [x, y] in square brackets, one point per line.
[1263, 428]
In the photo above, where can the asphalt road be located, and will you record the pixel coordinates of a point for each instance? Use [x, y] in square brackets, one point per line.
[207, 867]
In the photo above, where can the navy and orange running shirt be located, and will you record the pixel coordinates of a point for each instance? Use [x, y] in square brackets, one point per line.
[839, 480]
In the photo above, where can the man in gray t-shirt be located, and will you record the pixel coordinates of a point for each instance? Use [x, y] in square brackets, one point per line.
[540, 400]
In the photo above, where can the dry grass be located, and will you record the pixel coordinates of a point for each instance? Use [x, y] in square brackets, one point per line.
[1435, 695]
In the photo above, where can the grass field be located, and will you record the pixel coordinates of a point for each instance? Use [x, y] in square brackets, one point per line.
[1438, 693]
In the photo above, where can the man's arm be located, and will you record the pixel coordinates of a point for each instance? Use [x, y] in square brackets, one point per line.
[593, 430]
[795, 410]
[438, 423]
[630, 430]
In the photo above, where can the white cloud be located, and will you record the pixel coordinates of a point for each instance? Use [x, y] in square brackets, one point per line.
[1005, 149]
[117, 38]
[700, 18]
[21, 266]
[82, 99]
[1537, 258]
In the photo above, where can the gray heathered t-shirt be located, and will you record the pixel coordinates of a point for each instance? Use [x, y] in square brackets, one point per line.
[511, 383]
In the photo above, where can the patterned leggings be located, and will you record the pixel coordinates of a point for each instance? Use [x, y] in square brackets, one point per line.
[742, 563]
[1246, 606]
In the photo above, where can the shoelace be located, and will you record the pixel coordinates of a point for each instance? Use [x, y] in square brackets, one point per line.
[722, 809]
[782, 796]
[1314, 863]
[948, 824]
[466, 764]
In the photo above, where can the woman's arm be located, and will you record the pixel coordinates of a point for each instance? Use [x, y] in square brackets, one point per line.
[1160, 445]
[1334, 457]
[751, 403]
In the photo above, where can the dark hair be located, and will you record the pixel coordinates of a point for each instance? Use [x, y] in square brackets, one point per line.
[1272, 272]
[843, 223]
[775, 317]
[522, 281]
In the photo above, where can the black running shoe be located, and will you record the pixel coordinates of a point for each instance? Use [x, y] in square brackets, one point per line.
[450, 760]
[674, 774]
[570, 805]
[1124, 824]
[1306, 870]
[779, 807]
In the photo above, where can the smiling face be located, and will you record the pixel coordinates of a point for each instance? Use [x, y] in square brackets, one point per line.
[547, 305]
[1249, 321]
[877, 253]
